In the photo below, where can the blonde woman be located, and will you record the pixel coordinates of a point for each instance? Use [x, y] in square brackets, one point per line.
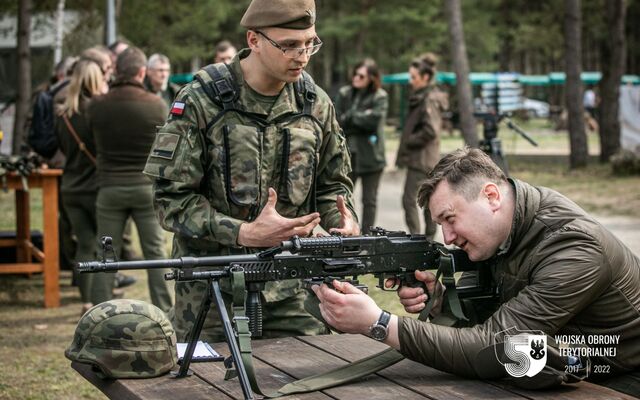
[78, 186]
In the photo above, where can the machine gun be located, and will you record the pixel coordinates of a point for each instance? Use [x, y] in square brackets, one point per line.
[490, 143]
[386, 255]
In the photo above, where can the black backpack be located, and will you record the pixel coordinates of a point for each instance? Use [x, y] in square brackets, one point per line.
[42, 136]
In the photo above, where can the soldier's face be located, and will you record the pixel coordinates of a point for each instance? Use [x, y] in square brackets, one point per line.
[276, 63]
[474, 226]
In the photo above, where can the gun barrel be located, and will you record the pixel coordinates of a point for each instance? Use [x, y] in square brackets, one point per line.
[182, 262]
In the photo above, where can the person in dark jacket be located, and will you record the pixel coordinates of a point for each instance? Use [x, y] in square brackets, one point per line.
[556, 270]
[419, 148]
[157, 79]
[78, 188]
[361, 109]
[124, 124]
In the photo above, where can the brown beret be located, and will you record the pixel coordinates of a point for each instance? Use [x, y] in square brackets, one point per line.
[290, 14]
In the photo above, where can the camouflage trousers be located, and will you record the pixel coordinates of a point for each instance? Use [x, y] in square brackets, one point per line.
[281, 318]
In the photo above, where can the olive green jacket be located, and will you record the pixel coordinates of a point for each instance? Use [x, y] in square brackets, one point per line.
[362, 115]
[79, 171]
[419, 147]
[559, 272]
[212, 171]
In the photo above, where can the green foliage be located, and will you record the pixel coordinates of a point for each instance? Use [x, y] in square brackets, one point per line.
[181, 30]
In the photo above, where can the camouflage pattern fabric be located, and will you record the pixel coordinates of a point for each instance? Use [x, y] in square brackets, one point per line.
[125, 339]
[212, 174]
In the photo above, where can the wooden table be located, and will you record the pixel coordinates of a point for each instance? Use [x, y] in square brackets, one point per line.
[47, 259]
[279, 361]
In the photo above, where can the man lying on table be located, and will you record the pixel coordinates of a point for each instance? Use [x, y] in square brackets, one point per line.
[556, 269]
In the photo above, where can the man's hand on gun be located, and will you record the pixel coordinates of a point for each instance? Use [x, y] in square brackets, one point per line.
[414, 298]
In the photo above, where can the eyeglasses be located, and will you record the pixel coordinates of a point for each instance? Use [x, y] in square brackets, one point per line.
[295, 52]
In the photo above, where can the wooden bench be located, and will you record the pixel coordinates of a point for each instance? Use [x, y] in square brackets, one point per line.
[279, 361]
[47, 259]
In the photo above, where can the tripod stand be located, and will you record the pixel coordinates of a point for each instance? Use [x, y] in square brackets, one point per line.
[491, 143]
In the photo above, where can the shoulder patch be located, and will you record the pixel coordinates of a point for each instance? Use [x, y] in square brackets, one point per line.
[177, 108]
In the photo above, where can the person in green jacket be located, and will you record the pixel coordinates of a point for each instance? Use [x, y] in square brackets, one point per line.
[556, 270]
[419, 148]
[361, 109]
[78, 187]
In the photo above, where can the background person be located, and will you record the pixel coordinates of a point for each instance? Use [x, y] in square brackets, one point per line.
[361, 109]
[419, 148]
[257, 200]
[124, 123]
[78, 187]
[225, 52]
[157, 79]
[557, 270]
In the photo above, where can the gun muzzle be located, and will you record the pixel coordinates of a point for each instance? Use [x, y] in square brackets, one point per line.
[91, 266]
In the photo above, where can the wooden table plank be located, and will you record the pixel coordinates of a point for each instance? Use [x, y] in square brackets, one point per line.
[269, 378]
[436, 383]
[409, 374]
[300, 360]
[163, 387]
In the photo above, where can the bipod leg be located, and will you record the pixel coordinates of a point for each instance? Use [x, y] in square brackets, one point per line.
[231, 341]
[195, 334]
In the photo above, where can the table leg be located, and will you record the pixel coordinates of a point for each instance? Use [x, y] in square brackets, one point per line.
[51, 243]
[23, 227]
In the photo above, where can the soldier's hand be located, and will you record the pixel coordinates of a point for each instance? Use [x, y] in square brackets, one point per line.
[348, 224]
[271, 228]
[414, 298]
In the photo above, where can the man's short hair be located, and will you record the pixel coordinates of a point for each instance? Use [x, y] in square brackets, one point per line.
[223, 46]
[156, 59]
[129, 63]
[465, 170]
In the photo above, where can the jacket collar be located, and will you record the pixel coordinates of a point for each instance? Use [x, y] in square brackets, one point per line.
[527, 202]
[127, 82]
[285, 103]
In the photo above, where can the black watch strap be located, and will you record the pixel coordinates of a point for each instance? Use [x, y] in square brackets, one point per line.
[384, 319]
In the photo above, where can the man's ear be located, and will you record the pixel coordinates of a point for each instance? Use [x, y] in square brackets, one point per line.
[493, 195]
[252, 40]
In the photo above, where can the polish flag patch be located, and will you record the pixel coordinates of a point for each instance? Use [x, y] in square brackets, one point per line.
[178, 108]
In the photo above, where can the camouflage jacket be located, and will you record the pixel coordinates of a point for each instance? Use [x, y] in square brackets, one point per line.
[212, 170]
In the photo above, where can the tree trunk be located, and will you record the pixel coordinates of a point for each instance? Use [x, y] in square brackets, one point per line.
[461, 67]
[57, 47]
[24, 75]
[613, 62]
[573, 65]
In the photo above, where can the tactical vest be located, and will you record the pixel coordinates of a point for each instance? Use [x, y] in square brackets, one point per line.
[256, 153]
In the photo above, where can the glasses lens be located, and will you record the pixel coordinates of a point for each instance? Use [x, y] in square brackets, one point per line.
[297, 52]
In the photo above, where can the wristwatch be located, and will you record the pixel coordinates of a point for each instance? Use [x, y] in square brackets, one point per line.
[380, 329]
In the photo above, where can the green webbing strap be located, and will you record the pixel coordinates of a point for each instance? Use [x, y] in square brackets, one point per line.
[449, 282]
[346, 373]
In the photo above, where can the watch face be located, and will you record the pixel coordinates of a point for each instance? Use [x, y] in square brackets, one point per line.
[379, 332]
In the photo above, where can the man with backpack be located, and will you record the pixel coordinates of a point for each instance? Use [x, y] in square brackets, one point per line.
[250, 155]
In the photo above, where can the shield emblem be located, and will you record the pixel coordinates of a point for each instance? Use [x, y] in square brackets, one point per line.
[525, 353]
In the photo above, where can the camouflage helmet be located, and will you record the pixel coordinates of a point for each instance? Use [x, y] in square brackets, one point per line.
[125, 339]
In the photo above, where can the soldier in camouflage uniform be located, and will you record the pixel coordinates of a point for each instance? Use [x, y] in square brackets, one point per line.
[233, 177]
